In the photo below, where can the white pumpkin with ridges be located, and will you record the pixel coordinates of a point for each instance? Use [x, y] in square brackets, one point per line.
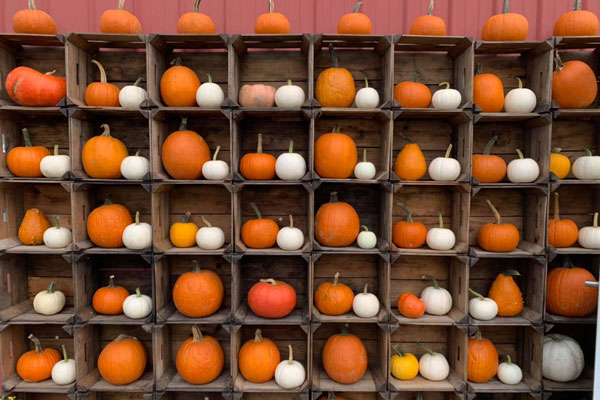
[64, 372]
[289, 95]
[440, 238]
[482, 308]
[290, 166]
[562, 358]
[367, 97]
[210, 94]
[522, 170]
[365, 169]
[444, 168]
[210, 237]
[290, 238]
[438, 301]
[366, 239]
[135, 167]
[589, 237]
[433, 366]
[509, 373]
[131, 96]
[365, 304]
[289, 373]
[137, 305]
[49, 301]
[56, 165]
[520, 101]
[587, 167]
[57, 237]
[446, 98]
[215, 170]
[137, 236]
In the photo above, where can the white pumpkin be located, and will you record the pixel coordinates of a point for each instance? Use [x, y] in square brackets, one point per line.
[130, 97]
[509, 373]
[135, 167]
[210, 237]
[210, 94]
[137, 305]
[365, 304]
[438, 300]
[57, 237]
[290, 238]
[366, 239]
[365, 169]
[482, 308]
[446, 98]
[587, 167]
[367, 97]
[520, 101]
[55, 166]
[589, 237]
[137, 236]
[522, 170]
[215, 170]
[440, 238]
[64, 372]
[289, 95]
[49, 301]
[433, 366]
[562, 359]
[290, 374]
[444, 168]
[290, 166]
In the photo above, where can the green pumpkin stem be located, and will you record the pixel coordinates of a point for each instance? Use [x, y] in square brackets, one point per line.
[365, 291]
[65, 354]
[196, 268]
[554, 337]
[588, 152]
[333, 197]
[446, 84]
[183, 124]
[431, 5]
[399, 350]
[419, 396]
[137, 81]
[138, 292]
[31, 4]
[488, 147]
[366, 82]
[102, 71]
[291, 358]
[334, 58]
[137, 153]
[121, 4]
[216, 153]
[209, 76]
[107, 200]
[427, 349]
[506, 7]
[511, 272]
[366, 229]
[441, 220]
[416, 76]
[344, 331]
[405, 138]
[186, 217]
[258, 336]
[56, 222]
[197, 6]
[520, 153]
[291, 221]
[291, 148]
[259, 146]
[137, 217]
[357, 7]
[478, 69]
[435, 282]
[111, 282]
[365, 154]
[556, 209]
[595, 220]
[474, 293]
[256, 211]
[56, 150]
[577, 5]
[556, 150]
[36, 342]
[558, 61]
[496, 213]
[51, 287]
[567, 264]
[205, 221]
[478, 335]
[448, 151]
[197, 334]
[335, 278]
[176, 61]
[520, 82]
[26, 137]
[331, 396]
[406, 210]
[508, 359]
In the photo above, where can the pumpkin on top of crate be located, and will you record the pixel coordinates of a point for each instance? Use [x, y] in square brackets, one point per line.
[209, 94]
[259, 165]
[137, 305]
[587, 167]
[184, 153]
[344, 357]
[290, 373]
[335, 155]
[482, 363]
[355, 23]
[290, 165]
[365, 304]
[498, 237]
[179, 85]
[32, 20]
[566, 291]
[135, 167]
[488, 91]
[119, 21]
[272, 22]
[102, 94]
[102, 155]
[257, 95]
[482, 308]
[410, 164]
[410, 305]
[408, 234]
[64, 372]
[36, 365]
[506, 294]
[109, 300]
[259, 233]
[106, 224]
[520, 100]
[437, 300]
[573, 84]
[489, 168]
[403, 365]
[200, 358]
[412, 94]
[428, 25]
[560, 165]
[271, 299]
[335, 86]
[258, 359]
[290, 238]
[55, 165]
[122, 361]
[561, 232]
[433, 366]
[132, 96]
[49, 301]
[505, 27]
[336, 223]
[28, 87]
[589, 236]
[577, 22]
[334, 298]
[24, 161]
[32, 228]
[562, 358]
[195, 22]
[198, 293]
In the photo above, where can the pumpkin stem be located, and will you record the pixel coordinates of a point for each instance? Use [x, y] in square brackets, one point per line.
[478, 69]
[554, 337]
[435, 282]
[496, 213]
[291, 221]
[31, 4]
[138, 292]
[111, 281]
[427, 349]
[431, 5]
[137, 217]
[511, 272]
[405, 138]
[183, 124]
[448, 151]
[137, 153]
[474, 293]
[258, 336]
[416, 76]
[271, 6]
[366, 82]
[205, 221]
[558, 61]
[357, 7]
[556, 150]
[291, 359]
[335, 278]
[409, 217]
[51, 287]
[289, 82]
[259, 148]
[489, 145]
[123, 336]
[399, 350]
[196, 266]
[567, 264]
[334, 58]
[209, 78]
[269, 281]
[520, 82]
[419, 396]
[121, 4]
[336, 128]
[291, 148]
[197, 6]
[441, 220]
[331, 396]
[176, 61]
[577, 5]
[508, 359]
[107, 200]
[197, 334]
[333, 198]
[478, 335]
[520, 153]
[50, 72]
[588, 152]
[216, 153]
[344, 330]
[365, 290]
[36, 342]
[256, 211]
[595, 220]
[137, 81]
[506, 7]
[556, 210]
[365, 228]
[65, 354]
[55, 149]
[26, 137]
[56, 222]
[105, 130]
[365, 154]
[102, 71]
[186, 217]
[446, 84]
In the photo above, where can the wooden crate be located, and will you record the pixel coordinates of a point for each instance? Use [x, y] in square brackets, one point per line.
[354, 395]
[428, 395]
[269, 396]
[447, 340]
[375, 338]
[583, 395]
[46, 396]
[192, 395]
[92, 271]
[407, 275]
[504, 396]
[113, 396]
[168, 268]
[355, 270]
[123, 58]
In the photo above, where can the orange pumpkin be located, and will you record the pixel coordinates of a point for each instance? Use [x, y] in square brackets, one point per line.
[428, 25]
[24, 161]
[488, 168]
[573, 84]
[198, 293]
[335, 155]
[184, 152]
[105, 224]
[30, 88]
[335, 86]
[355, 23]
[109, 300]
[505, 27]
[102, 94]
[258, 359]
[410, 164]
[412, 94]
[334, 298]
[36, 365]
[14, 76]
[410, 305]
[200, 359]
[507, 295]
[102, 155]
[577, 23]
[560, 165]
[498, 237]
[566, 291]
[183, 234]
[122, 361]
[482, 360]
[33, 21]
[119, 21]
[195, 22]
[258, 95]
[258, 166]
[32, 228]
[272, 22]
[408, 234]
[344, 357]
[259, 233]
[561, 232]
[488, 91]
[178, 85]
[336, 223]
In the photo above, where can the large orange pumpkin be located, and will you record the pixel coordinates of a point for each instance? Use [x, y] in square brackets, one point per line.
[573, 84]
[36, 365]
[498, 237]
[119, 21]
[259, 233]
[258, 359]
[410, 164]
[28, 87]
[184, 152]
[488, 91]
[178, 85]
[25, 160]
[200, 359]
[105, 224]
[32, 228]
[412, 94]
[334, 298]
[335, 155]
[198, 293]
[335, 86]
[507, 295]
[102, 155]
[344, 357]
[566, 291]
[408, 234]
[272, 22]
[428, 25]
[489, 168]
[505, 27]
[122, 361]
[195, 22]
[109, 300]
[561, 232]
[336, 223]
[258, 166]
[355, 23]
[271, 299]
[33, 21]
[482, 360]
[102, 94]
[577, 23]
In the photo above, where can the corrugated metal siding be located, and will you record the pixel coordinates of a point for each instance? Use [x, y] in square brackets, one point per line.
[464, 17]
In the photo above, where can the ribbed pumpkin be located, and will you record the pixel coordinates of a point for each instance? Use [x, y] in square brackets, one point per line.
[482, 363]
[334, 298]
[488, 91]
[119, 21]
[573, 84]
[258, 359]
[344, 357]
[336, 223]
[258, 166]
[567, 293]
[498, 237]
[412, 94]
[102, 94]
[24, 161]
[355, 23]
[32, 228]
[195, 22]
[109, 300]
[28, 87]
[36, 365]
[122, 361]
[259, 233]
[489, 168]
[198, 293]
[577, 22]
[183, 234]
[335, 155]
[335, 86]
[271, 299]
[102, 155]
[32, 20]
[105, 224]
[410, 164]
[408, 234]
[560, 165]
[272, 22]
[428, 25]
[184, 152]
[178, 85]
[200, 359]
[505, 27]
[561, 232]
[506, 293]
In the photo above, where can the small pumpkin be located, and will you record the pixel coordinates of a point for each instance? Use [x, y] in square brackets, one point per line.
[335, 86]
[334, 298]
[365, 169]
[412, 94]
[482, 308]
[30, 88]
[507, 295]
[210, 94]
[32, 228]
[498, 237]
[336, 223]
[437, 300]
[489, 168]
[365, 304]
[344, 357]
[587, 167]
[271, 299]
[488, 91]
[132, 96]
[408, 234]
[137, 305]
[135, 167]
[505, 27]
[433, 366]
[49, 301]
[335, 155]
[355, 23]
[106, 224]
[366, 239]
[440, 238]
[57, 237]
[119, 21]
[56, 165]
[445, 168]
[215, 170]
[290, 238]
[258, 95]
[198, 293]
[290, 95]
[482, 363]
[290, 165]
[589, 236]
[184, 153]
[509, 373]
[522, 170]
[562, 358]
[428, 25]
[446, 98]
[272, 22]
[200, 359]
[560, 165]
[34, 21]
[258, 359]
[24, 161]
[410, 306]
[122, 361]
[36, 365]
[367, 97]
[404, 366]
[573, 84]
[259, 233]
[64, 372]
[183, 234]
[137, 235]
[566, 291]
[577, 22]
[102, 155]
[561, 232]
[109, 300]
[410, 164]
[258, 166]
[179, 85]
[210, 237]
[290, 374]
[196, 23]
[520, 100]
[102, 94]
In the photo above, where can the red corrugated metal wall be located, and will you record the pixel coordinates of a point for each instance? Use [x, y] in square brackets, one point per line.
[464, 17]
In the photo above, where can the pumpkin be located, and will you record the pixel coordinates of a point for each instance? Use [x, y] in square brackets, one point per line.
[135, 167]
[290, 166]
[132, 96]
[56, 165]
[272, 22]
[198, 293]
[365, 304]
[440, 238]
[109, 300]
[290, 374]
[49, 301]
[573, 84]
[408, 234]
[215, 170]
[64, 372]
[344, 357]
[290, 238]
[196, 23]
[355, 23]
[366, 239]
[367, 97]
[335, 86]
[482, 308]
[184, 153]
[137, 235]
[272, 299]
[562, 358]
[507, 295]
[289, 95]
[335, 155]
[36, 365]
[258, 166]
[122, 361]
[522, 170]
[32, 20]
[576, 23]
[433, 366]
[509, 373]
[444, 168]
[561, 232]
[258, 359]
[488, 91]
[57, 237]
[32, 228]
[259, 233]
[179, 85]
[412, 94]
[334, 298]
[137, 305]
[28, 87]
[210, 237]
[482, 362]
[437, 300]
[587, 167]
[119, 21]
[498, 237]
[336, 223]
[520, 100]
[24, 161]
[106, 224]
[183, 234]
[489, 168]
[210, 94]
[404, 366]
[589, 236]
[410, 163]
[365, 169]
[446, 98]
[101, 94]
[200, 359]
[428, 25]
[560, 165]
[505, 27]
[566, 291]
[15, 75]
[102, 155]
[410, 305]
[258, 95]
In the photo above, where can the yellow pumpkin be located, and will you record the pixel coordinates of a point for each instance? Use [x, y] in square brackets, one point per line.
[560, 165]
[404, 366]
[183, 234]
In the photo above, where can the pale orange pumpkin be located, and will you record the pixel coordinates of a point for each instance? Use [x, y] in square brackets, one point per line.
[102, 155]
[258, 95]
